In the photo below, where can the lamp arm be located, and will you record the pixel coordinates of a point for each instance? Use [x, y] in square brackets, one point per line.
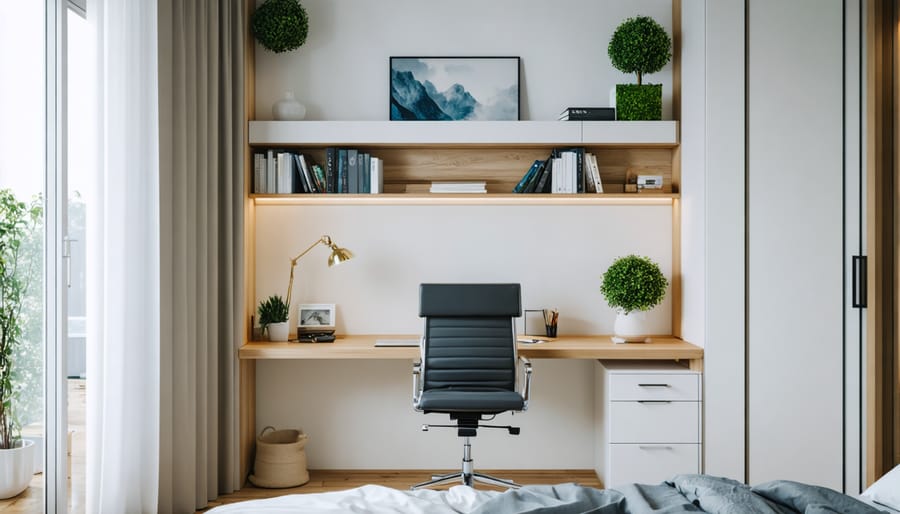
[323, 240]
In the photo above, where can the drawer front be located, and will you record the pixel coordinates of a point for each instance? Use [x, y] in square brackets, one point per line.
[650, 464]
[685, 387]
[654, 422]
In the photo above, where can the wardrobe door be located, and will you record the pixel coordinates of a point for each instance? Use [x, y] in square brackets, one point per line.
[795, 138]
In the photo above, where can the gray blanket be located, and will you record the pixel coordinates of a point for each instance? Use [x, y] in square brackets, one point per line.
[684, 493]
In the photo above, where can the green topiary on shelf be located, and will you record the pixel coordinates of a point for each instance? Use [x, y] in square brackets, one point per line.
[633, 283]
[639, 45]
[280, 25]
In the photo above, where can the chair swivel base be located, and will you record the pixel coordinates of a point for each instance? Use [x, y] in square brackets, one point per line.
[467, 476]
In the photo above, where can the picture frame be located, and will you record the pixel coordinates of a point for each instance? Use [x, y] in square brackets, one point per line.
[316, 318]
[454, 88]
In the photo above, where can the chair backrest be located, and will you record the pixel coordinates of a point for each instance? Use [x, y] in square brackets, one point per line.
[470, 339]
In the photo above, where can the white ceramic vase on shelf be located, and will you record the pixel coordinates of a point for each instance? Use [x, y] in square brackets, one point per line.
[278, 331]
[288, 108]
[630, 328]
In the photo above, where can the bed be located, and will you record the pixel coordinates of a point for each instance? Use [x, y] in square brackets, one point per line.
[683, 493]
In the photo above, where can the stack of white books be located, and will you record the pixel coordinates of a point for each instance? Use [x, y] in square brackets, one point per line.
[459, 187]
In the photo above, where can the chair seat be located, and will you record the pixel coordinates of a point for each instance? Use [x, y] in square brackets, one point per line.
[487, 401]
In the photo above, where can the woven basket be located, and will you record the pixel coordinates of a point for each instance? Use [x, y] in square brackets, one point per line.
[280, 459]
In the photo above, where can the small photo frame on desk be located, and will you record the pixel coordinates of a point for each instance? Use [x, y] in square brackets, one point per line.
[316, 318]
[534, 322]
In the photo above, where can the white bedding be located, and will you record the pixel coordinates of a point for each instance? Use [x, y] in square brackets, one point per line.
[373, 499]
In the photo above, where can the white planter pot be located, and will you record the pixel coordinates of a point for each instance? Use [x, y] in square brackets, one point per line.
[278, 331]
[630, 328]
[16, 468]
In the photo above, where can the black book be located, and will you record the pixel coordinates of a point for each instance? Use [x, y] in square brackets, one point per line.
[588, 113]
[544, 184]
[330, 172]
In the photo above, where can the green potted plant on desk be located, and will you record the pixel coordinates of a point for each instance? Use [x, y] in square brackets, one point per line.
[273, 317]
[20, 273]
[632, 285]
[639, 45]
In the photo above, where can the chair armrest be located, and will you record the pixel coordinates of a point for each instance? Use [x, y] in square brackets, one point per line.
[417, 383]
[526, 388]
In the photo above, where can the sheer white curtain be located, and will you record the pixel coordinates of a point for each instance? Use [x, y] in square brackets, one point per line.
[123, 264]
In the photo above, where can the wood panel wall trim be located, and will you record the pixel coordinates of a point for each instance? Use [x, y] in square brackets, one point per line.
[880, 431]
[247, 375]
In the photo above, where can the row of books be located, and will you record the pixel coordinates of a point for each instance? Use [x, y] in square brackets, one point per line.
[346, 170]
[588, 114]
[565, 170]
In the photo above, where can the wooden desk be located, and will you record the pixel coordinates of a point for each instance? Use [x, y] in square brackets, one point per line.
[661, 348]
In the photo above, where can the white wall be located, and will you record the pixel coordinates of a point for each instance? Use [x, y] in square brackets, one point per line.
[795, 245]
[341, 73]
[557, 253]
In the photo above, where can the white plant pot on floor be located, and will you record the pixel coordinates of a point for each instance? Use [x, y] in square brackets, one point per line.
[278, 331]
[16, 468]
[630, 328]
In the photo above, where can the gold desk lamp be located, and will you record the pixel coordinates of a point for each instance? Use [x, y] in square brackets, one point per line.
[338, 255]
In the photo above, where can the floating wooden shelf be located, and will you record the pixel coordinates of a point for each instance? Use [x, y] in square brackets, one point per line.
[468, 199]
[465, 133]
[565, 347]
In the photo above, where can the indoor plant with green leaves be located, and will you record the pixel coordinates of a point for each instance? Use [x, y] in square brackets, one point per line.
[280, 25]
[19, 273]
[639, 45]
[273, 317]
[632, 285]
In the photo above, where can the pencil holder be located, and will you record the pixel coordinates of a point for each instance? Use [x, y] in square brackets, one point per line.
[551, 330]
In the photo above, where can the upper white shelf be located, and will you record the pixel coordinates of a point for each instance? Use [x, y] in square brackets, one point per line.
[488, 133]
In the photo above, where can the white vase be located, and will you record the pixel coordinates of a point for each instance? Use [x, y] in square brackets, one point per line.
[288, 108]
[16, 468]
[278, 331]
[630, 328]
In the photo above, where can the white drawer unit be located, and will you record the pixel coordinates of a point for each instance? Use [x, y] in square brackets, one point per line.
[648, 422]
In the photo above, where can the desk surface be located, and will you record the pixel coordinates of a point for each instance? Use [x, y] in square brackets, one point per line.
[565, 347]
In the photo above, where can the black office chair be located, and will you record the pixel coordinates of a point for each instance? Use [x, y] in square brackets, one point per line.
[469, 364]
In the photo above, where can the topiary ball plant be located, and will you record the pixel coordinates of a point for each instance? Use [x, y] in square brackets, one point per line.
[633, 283]
[280, 25]
[639, 45]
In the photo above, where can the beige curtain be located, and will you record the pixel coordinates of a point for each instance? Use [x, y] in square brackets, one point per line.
[201, 138]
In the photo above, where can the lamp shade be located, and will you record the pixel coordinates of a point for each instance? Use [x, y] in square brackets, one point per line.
[339, 255]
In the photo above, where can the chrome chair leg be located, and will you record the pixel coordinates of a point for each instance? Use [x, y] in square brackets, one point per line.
[467, 476]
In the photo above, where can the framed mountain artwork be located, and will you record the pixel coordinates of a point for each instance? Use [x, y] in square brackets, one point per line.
[454, 88]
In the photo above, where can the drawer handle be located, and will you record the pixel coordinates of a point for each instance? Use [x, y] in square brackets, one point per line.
[654, 385]
[654, 447]
[655, 401]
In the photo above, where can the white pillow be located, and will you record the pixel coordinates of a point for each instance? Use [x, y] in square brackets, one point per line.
[886, 490]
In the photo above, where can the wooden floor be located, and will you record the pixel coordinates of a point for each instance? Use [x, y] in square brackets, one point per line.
[324, 481]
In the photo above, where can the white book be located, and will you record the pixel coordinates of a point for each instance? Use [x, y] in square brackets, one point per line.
[595, 172]
[270, 172]
[377, 181]
[557, 177]
[570, 173]
[285, 180]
